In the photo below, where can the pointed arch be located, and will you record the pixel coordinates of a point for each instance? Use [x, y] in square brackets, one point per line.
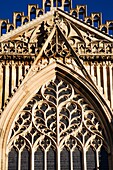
[18, 20]
[32, 13]
[32, 84]
[3, 28]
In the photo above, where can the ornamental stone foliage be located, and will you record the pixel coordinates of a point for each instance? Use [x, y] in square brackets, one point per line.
[56, 89]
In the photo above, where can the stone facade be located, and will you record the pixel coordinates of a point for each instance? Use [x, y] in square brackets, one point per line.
[56, 89]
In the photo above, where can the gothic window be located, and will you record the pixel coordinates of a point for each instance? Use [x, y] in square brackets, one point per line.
[66, 6]
[104, 29]
[77, 159]
[10, 28]
[81, 13]
[74, 13]
[48, 5]
[103, 159]
[59, 3]
[91, 159]
[40, 13]
[13, 159]
[39, 159]
[89, 21]
[96, 21]
[3, 28]
[32, 13]
[18, 20]
[110, 29]
[25, 21]
[57, 130]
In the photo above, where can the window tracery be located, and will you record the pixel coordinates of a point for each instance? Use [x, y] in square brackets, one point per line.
[56, 122]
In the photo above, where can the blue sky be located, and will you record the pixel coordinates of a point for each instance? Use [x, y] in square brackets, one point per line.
[7, 7]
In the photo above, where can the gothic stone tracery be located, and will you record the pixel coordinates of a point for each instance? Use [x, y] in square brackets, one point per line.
[56, 117]
[59, 124]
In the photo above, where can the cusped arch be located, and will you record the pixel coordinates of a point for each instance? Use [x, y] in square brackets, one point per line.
[31, 85]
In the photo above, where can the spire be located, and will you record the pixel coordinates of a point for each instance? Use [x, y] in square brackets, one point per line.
[63, 4]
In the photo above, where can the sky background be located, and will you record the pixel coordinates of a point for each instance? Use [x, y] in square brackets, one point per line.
[7, 7]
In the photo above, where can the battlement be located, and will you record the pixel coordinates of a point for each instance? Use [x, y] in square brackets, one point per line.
[79, 12]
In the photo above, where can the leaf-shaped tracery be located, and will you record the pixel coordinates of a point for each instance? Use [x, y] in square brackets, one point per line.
[60, 115]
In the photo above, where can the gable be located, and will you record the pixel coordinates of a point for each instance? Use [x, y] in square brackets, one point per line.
[55, 36]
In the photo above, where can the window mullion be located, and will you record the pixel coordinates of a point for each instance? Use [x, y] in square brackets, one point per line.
[84, 159]
[71, 160]
[45, 160]
[19, 160]
[32, 159]
[97, 159]
[58, 158]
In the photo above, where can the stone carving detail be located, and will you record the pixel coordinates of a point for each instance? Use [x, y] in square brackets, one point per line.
[57, 115]
[29, 42]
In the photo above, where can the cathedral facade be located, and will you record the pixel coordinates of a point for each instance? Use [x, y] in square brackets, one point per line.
[56, 89]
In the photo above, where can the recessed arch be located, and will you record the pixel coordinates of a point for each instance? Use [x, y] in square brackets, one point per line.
[96, 21]
[27, 91]
[81, 13]
[3, 28]
[18, 20]
[32, 13]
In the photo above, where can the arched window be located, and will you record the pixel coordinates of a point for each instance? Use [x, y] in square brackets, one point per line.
[3, 28]
[104, 29]
[65, 157]
[66, 6]
[57, 127]
[110, 29]
[25, 21]
[59, 3]
[74, 13]
[39, 159]
[103, 155]
[13, 159]
[51, 159]
[32, 13]
[89, 21]
[48, 5]
[96, 21]
[91, 159]
[11, 28]
[81, 14]
[77, 159]
[40, 13]
[25, 159]
[18, 20]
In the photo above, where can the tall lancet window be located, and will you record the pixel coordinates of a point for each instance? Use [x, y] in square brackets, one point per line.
[57, 130]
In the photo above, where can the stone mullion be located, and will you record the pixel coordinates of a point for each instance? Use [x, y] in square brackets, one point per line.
[13, 77]
[105, 80]
[19, 160]
[7, 82]
[19, 72]
[97, 159]
[32, 159]
[58, 158]
[84, 159]
[58, 133]
[98, 75]
[71, 159]
[45, 160]
[92, 69]
[84, 165]
[32, 149]
[3, 84]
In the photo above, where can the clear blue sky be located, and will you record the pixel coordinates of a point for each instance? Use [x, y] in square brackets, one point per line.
[7, 7]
